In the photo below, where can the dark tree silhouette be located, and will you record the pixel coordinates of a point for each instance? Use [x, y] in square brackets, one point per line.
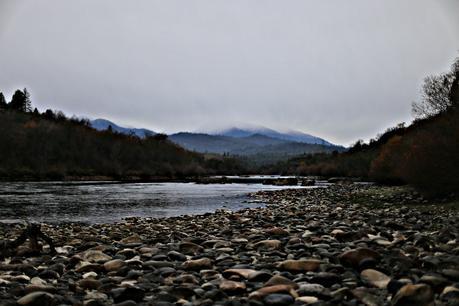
[49, 114]
[159, 136]
[454, 94]
[17, 101]
[21, 101]
[3, 104]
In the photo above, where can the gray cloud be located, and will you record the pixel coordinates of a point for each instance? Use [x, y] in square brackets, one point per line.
[342, 70]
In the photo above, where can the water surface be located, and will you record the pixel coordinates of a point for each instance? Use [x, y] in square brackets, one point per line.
[100, 202]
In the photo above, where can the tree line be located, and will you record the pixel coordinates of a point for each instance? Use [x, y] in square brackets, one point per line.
[49, 145]
[20, 101]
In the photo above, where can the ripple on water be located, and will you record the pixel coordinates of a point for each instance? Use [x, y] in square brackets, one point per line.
[102, 202]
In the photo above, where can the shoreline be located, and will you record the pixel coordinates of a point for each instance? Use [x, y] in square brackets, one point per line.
[345, 244]
[206, 179]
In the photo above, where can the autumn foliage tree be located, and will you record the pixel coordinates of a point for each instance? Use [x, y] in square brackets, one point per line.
[427, 156]
[387, 166]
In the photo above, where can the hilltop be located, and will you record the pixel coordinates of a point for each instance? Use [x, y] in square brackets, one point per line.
[258, 145]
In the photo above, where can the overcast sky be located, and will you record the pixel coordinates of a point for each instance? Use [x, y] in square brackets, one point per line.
[342, 70]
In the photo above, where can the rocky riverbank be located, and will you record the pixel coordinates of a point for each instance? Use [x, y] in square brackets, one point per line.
[344, 245]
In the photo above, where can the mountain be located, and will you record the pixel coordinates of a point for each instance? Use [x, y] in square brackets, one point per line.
[289, 136]
[261, 145]
[103, 124]
[256, 148]
[206, 143]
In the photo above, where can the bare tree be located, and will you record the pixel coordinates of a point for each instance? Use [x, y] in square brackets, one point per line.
[438, 93]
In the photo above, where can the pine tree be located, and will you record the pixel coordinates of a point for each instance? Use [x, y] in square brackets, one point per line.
[18, 101]
[27, 101]
[21, 101]
[3, 104]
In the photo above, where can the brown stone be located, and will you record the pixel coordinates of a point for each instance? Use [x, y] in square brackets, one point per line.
[268, 244]
[240, 272]
[38, 287]
[232, 287]
[416, 295]
[85, 266]
[354, 257]
[114, 265]
[95, 256]
[261, 293]
[375, 278]
[302, 265]
[37, 298]
[190, 248]
[135, 238]
[277, 231]
[280, 280]
[89, 284]
[198, 264]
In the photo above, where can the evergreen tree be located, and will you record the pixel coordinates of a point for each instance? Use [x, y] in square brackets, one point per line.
[49, 114]
[21, 101]
[3, 104]
[18, 101]
[27, 101]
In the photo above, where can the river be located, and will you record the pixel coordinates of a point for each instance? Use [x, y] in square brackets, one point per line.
[106, 202]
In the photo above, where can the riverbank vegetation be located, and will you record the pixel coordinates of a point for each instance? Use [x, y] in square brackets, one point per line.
[49, 145]
[424, 154]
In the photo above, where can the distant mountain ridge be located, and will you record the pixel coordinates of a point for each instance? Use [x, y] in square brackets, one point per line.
[206, 143]
[103, 124]
[260, 142]
[290, 135]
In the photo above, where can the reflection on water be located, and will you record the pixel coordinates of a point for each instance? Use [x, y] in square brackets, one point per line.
[96, 202]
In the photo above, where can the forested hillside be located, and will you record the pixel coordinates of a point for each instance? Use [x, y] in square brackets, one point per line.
[50, 146]
[424, 154]
[255, 149]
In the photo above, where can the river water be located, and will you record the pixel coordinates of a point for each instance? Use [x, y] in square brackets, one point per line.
[103, 202]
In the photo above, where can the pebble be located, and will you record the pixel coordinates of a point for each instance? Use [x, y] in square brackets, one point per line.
[357, 256]
[420, 295]
[38, 298]
[307, 299]
[232, 287]
[114, 265]
[278, 299]
[307, 247]
[299, 265]
[375, 278]
[197, 264]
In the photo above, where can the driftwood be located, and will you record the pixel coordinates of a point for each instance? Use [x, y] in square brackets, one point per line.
[33, 233]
